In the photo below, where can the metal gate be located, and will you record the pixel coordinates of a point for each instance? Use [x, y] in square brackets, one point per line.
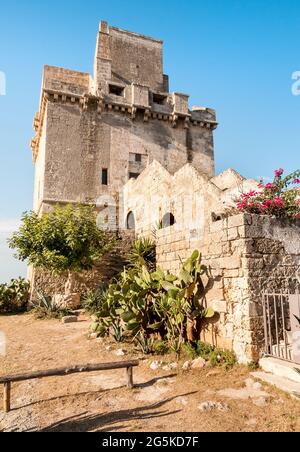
[281, 312]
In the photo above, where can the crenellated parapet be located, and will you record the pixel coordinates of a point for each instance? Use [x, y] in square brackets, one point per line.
[128, 79]
[137, 103]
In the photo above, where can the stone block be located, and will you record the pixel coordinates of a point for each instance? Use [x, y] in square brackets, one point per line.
[251, 231]
[215, 248]
[224, 343]
[69, 319]
[229, 263]
[252, 263]
[231, 273]
[236, 220]
[217, 226]
[232, 234]
[219, 305]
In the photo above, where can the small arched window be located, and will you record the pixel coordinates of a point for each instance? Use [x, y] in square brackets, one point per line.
[168, 220]
[130, 221]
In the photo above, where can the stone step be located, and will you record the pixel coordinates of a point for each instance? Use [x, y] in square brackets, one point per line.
[282, 383]
[281, 368]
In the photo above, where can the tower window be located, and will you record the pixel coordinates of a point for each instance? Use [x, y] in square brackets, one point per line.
[104, 176]
[133, 175]
[159, 99]
[138, 158]
[116, 90]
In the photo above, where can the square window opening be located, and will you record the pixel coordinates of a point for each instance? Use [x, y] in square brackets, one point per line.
[116, 90]
[159, 99]
[133, 175]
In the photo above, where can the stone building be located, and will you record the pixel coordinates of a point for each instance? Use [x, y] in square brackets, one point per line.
[94, 133]
[119, 139]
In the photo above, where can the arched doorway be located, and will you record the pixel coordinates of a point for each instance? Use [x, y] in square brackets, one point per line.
[130, 221]
[168, 220]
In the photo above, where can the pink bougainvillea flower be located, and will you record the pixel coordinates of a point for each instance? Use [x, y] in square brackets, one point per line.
[279, 198]
[267, 203]
[279, 172]
[269, 186]
[279, 202]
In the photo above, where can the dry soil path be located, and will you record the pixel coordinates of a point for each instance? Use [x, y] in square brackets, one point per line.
[162, 401]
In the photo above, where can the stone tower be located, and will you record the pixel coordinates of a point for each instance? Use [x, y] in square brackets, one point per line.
[94, 133]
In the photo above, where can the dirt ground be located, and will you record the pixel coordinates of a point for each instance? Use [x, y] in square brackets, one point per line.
[162, 401]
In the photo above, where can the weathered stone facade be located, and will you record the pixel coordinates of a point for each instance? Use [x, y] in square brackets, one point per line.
[119, 139]
[245, 255]
[94, 133]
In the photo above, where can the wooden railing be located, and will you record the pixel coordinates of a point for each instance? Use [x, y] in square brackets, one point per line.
[9, 379]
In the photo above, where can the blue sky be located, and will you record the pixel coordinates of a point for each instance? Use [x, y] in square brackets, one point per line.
[236, 56]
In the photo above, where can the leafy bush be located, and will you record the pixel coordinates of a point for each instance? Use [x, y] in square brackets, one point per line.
[65, 239]
[160, 347]
[142, 303]
[279, 198]
[215, 356]
[14, 296]
[45, 308]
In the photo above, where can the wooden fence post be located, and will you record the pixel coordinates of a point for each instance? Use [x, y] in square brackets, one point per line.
[130, 377]
[6, 397]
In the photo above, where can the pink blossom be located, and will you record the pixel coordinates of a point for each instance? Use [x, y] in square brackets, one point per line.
[253, 193]
[296, 181]
[298, 216]
[241, 205]
[279, 202]
[279, 172]
[269, 186]
[266, 204]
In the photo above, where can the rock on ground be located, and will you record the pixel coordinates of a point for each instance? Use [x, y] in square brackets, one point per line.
[198, 363]
[211, 406]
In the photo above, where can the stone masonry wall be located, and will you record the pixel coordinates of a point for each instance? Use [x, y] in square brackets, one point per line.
[244, 254]
[109, 267]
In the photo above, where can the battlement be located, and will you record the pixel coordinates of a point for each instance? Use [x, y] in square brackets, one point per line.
[58, 79]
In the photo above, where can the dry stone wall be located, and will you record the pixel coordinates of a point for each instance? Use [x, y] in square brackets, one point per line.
[244, 255]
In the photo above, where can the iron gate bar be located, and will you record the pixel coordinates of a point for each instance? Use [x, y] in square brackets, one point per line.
[276, 312]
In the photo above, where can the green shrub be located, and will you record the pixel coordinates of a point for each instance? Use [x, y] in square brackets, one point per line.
[14, 296]
[44, 308]
[160, 347]
[216, 356]
[66, 239]
[189, 350]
